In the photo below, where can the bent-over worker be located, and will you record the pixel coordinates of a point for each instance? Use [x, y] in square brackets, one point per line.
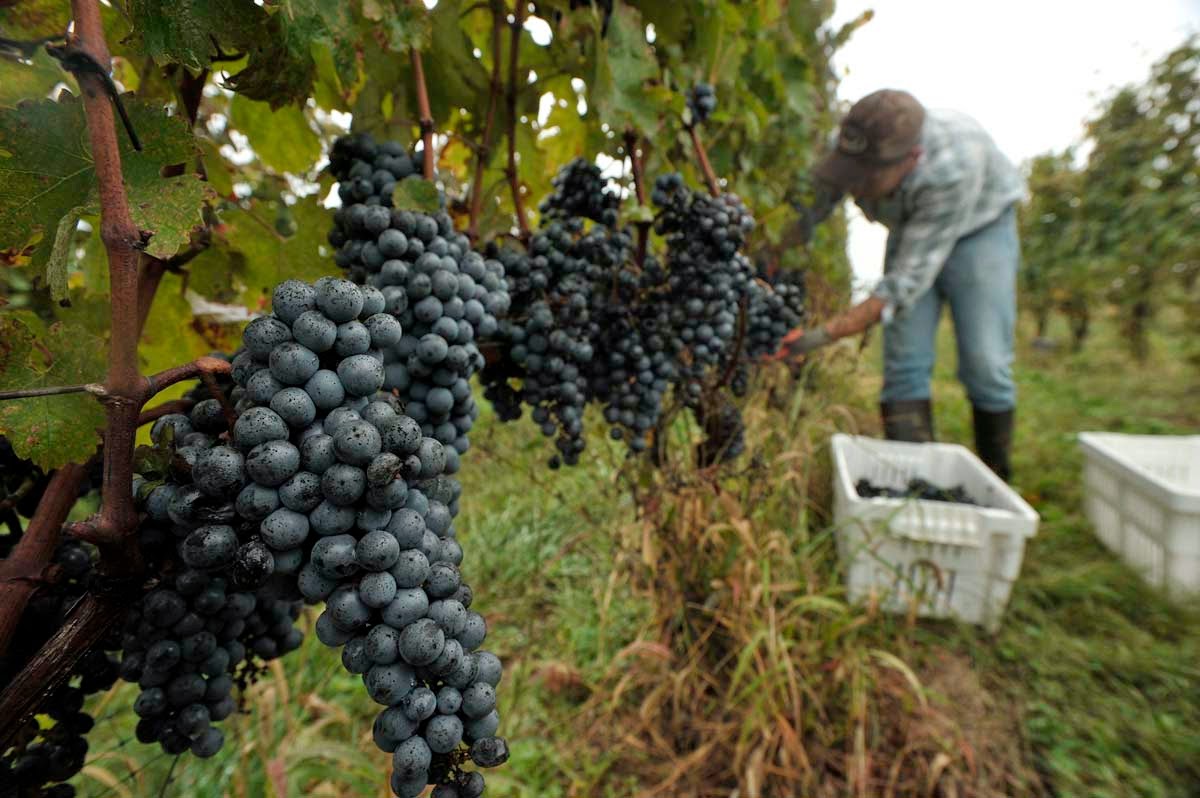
[947, 195]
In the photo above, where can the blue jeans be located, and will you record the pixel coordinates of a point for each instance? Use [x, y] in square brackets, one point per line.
[979, 282]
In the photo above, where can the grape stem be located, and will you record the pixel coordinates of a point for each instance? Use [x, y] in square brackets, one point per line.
[200, 367]
[30, 557]
[710, 177]
[639, 187]
[514, 180]
[426, 119]
[484, 152]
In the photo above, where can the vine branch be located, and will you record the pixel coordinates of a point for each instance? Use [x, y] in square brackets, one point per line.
[95, 389]
[514, 180]
[34, 550]
[484, 153]
[639, 187]
[426, 119]
[200, 367]
[710, 177]
[124, 392]
[83, 628]
[122, 240]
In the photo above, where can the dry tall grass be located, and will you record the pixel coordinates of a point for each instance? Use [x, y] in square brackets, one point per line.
[756, 677]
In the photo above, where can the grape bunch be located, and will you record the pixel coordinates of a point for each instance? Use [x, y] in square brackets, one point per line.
[580, 192]
[709, 280]
[213, 614]
[356, 505]
[445, 296]
[550, 344]
[44, 756]
[588, 324]
[702, 101]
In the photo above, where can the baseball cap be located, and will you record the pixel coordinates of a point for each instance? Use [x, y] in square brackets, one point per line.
[880, 130]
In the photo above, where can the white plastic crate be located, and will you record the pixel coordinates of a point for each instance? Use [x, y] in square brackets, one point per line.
[950, 560]
[1142, 495]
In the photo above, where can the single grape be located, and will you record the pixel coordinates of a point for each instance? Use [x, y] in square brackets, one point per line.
[258, 425]
[293, 363]
[263, 334]
[284, 529]
[295, 406]
[315, 331]
[210, 547]
[272, 463]
[361, 375]
[443, 733]
[338, 299]
[219, 472]
[292, 298]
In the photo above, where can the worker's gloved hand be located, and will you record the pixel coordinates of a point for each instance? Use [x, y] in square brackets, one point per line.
[799, 343]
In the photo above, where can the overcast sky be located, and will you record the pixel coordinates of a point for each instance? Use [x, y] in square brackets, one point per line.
[1031, 71]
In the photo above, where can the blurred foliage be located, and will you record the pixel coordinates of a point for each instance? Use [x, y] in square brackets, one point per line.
[1122, 229]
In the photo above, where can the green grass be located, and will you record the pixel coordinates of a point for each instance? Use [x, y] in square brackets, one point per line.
[1100, 672]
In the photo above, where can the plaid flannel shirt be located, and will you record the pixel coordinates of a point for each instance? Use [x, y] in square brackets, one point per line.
[961, 183]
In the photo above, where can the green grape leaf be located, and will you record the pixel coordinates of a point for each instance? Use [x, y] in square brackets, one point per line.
[416, 194]
[32, 80]
[216, 168]
[174, 334]
[453, 76]
[283, 139]
[50, 430]
[282, 67]
[248, 247]
[183, 33]
[623, 67]
[275, 74]
[402, 23]
[34, 19]
[47, 173]
[89, 264]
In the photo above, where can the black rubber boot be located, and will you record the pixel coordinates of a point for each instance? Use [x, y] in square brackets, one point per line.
[908, 420]
[993, 440]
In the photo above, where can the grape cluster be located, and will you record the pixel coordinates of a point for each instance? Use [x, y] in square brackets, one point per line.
[550, 344]
[772, 310]
[45, 755]
[581, 192]
[213, 614]
[180, 644]
[709, 280]
[445, 296]
[357, 506]
[591, 325]
[702, 101]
